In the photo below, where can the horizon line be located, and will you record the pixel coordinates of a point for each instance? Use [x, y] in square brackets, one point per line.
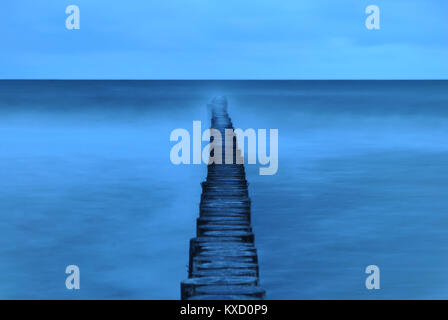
[200, 79]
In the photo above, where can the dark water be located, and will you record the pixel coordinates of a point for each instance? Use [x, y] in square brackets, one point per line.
[85, 179]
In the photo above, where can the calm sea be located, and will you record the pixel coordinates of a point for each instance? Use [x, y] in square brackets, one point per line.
[85, 179]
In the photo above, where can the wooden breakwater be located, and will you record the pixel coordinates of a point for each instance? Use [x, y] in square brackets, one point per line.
[223, 259]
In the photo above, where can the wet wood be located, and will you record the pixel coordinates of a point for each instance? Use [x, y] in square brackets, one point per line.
[223, 259]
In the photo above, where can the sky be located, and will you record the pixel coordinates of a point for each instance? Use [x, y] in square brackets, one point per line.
[224, 39]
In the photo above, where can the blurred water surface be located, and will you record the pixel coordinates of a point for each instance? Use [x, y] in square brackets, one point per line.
[85, 179]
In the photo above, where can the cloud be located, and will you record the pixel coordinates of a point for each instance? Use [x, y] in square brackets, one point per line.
[224, 39]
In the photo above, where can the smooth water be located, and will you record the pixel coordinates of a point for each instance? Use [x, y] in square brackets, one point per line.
[85, 179]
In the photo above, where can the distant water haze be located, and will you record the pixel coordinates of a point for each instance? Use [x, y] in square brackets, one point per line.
[86, 179]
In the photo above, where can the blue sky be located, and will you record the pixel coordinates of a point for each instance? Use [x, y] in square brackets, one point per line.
[231, 39]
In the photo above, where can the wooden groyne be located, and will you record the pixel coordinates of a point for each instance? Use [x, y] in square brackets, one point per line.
[223, 259]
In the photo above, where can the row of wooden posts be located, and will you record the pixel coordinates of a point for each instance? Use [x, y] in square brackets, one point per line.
[223, 259]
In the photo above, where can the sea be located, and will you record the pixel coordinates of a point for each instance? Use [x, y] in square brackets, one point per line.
[86, 180]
